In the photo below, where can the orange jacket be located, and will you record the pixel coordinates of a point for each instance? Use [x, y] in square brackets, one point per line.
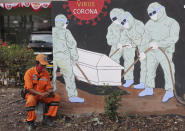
[39, 82]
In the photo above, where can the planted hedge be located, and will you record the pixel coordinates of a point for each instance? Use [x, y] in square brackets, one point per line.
[14, 61]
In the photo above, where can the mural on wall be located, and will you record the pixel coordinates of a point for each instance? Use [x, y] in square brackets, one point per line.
[163, 33]
[64, 56]
[104, 53]
[95, 68]
[86, 12]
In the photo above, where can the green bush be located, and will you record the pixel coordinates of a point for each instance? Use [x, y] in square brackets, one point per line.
[16, 60]
[112, 104]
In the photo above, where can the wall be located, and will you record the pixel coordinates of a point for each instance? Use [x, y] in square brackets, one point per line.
[93, 38]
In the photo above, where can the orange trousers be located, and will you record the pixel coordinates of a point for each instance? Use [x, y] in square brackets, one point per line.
[31, 102]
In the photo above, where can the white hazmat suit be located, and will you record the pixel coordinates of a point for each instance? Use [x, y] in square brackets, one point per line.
[164, 33]
[132, 37]
[114, 32]
[64, 56]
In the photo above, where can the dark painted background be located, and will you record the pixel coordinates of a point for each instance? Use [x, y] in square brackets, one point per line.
[93, 38]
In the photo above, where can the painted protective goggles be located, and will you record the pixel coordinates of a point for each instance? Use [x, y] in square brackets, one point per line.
[62, 20]
[125, 19]
[114, 18]
[155, 11]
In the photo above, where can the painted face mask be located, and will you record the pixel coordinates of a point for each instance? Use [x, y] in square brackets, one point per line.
[65, 26]
[126, 25]
[117, 22]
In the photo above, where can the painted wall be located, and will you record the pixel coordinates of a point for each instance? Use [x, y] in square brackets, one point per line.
[93, 38]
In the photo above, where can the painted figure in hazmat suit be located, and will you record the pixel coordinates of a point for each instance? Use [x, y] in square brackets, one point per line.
[64, 56]
[164, 33]
[132, 37]
[113, 33]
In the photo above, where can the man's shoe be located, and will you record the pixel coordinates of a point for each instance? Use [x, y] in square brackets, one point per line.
[31, 126]
[128, 83]
[47, 121]
[169, 94]
[76, 100]
[146, 92]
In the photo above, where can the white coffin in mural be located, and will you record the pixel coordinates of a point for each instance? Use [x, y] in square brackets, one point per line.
[99, 69]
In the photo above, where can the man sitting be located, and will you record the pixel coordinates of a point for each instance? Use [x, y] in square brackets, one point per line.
[37, 83]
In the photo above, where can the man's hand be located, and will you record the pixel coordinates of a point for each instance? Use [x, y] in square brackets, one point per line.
[44, 94]
[50, 90]
[153, 45]
[142, 56]
[51, 93]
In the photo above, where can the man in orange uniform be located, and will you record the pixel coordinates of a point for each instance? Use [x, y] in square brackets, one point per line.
[37, 83]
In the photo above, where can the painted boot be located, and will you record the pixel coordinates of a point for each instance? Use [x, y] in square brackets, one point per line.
[140, 86]
[128, 83]
[76, 100]
[146, 92]
[169, 94]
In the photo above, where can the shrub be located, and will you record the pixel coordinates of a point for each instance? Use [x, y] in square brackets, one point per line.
[16, 60]
[112, 104]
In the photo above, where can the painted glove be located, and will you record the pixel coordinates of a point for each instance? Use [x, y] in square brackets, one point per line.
[142, 56]
[75, 62]
[153, 45]
[119, 46]
[128, 46]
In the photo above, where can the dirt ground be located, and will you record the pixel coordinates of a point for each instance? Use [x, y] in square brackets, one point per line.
[136, 114]
[131, 104]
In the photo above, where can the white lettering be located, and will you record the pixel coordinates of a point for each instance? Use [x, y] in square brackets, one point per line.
[95, 11]
[82, 11]
[78, 11]
[85, 11]
[74, 11]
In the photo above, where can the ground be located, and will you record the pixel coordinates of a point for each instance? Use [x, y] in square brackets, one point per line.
[136, 114]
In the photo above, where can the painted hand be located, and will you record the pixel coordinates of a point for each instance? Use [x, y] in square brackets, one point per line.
[75, 62]
[128, 46]
[142, 56]
[119, 46]
[153, 45]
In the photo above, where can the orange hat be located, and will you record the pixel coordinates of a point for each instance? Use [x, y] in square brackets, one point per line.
[42, 59]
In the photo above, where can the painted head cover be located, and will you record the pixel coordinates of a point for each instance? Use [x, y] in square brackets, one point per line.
[156, 11]
[61, 20]
[115, 14]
